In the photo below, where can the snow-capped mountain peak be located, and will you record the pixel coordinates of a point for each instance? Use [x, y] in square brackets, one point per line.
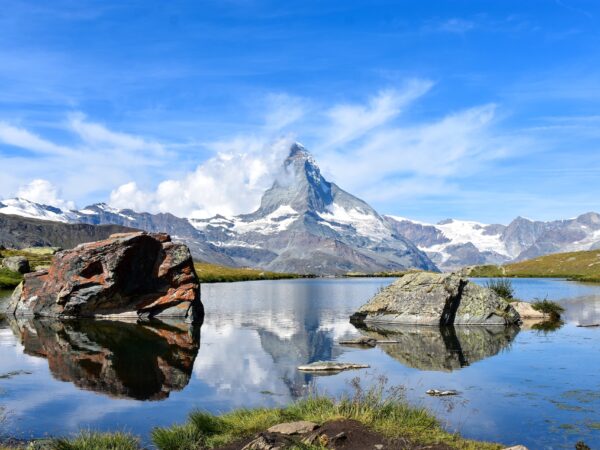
[26, 208]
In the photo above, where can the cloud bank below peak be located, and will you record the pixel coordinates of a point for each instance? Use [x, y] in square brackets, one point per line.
[372, 148]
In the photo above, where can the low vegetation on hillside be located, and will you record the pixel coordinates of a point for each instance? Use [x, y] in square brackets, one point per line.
[580, 266]
[214, 273]
[37, 257]
[10, 279]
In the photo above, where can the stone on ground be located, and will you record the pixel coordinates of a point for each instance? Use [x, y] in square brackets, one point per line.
[300, 427]
[18, 264]
[526, 311]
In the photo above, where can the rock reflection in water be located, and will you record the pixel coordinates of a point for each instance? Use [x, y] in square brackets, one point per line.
[121, 359]
[442, 348]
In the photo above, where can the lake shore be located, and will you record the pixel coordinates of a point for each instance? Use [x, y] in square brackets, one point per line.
[378, 417]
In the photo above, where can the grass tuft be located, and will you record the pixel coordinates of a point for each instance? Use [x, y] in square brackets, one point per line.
[503, 287]
[552, 309]
[88, 440]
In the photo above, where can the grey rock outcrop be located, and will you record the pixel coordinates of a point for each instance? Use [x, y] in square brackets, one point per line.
[436, 299]
[18, 264]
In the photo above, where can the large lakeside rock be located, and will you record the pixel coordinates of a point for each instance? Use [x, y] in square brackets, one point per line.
[129, 275]
[424, 298]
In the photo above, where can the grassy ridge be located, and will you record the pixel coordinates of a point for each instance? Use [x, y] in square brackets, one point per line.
[214, 273]
[36, 258]
[580, 266]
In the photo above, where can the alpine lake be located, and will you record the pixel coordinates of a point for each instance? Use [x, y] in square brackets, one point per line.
[530, 386]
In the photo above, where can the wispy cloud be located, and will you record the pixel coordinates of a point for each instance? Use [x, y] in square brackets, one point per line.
[371, 149]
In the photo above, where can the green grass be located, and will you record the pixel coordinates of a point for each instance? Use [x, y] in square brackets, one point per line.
[35, 257]
[552, 309]
[503, 287]
[88, 440]
[9, 279]
[579, 266]
[383, 410]
[214, 273]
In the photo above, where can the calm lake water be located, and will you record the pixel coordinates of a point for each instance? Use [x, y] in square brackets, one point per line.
[540, 389]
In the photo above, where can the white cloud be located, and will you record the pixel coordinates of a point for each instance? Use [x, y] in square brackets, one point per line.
[370, 149]
[348, 122]
[232, 182]
[283, 110]
[44, 192]
[21, 138]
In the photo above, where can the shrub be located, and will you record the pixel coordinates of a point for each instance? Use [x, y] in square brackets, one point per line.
[552, 309]
[501, 286]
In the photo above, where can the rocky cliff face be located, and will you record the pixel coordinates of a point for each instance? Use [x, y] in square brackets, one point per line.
[136, 275]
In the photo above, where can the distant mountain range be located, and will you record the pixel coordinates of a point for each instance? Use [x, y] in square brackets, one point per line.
[306, 224]
[452, 244]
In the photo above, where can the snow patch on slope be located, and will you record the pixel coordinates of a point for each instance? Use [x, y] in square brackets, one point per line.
[25, 208]
[365, 224]
[464, 231]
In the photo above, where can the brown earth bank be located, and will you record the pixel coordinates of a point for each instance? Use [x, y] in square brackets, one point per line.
[340, 434]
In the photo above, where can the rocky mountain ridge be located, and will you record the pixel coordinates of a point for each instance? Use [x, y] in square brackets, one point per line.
[307, 224]
[452, 244]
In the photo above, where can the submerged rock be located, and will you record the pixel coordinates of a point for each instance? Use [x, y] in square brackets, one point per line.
[18, 264]
[367, 341]
[438, 393]
[331, 366]
[424, 298]
[136, 275]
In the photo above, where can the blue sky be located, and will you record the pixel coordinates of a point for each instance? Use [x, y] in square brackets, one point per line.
[469, 109]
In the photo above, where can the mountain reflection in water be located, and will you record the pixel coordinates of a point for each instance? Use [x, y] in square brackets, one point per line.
[445, 348]
[121, 359]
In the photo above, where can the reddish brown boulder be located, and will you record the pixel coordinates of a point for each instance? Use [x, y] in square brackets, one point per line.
[138, 274]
